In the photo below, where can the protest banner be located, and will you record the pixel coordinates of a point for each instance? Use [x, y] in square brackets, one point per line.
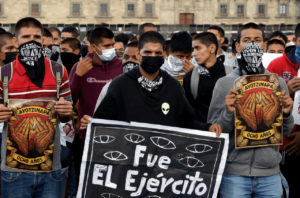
[123, 160]
[30, 135]
[258, 115]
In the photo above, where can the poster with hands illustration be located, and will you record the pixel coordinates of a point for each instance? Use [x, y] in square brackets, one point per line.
[258, 114]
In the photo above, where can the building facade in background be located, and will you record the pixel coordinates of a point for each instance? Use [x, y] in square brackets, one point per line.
[168, 14]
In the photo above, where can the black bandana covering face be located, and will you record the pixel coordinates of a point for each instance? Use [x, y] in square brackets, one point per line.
[31, 57]
[47, 52]
[129, 66]
[251, 57]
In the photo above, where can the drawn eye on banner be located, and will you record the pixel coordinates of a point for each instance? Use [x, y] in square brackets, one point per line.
[30, 136]
[123, 160]
[258, 115]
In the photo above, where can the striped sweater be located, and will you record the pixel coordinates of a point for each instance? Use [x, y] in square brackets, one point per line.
[21, 87]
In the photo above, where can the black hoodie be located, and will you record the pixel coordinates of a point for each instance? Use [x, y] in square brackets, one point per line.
[127, 101]
[205, 90]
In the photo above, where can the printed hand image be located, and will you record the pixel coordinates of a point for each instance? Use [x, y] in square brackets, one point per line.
[32, 133]
[259, 108]
[30, 137]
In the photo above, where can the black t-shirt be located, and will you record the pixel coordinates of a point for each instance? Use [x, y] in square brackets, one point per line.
[126, 100]
[205, 90]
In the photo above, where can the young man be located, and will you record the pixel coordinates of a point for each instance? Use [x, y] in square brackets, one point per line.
[208, 71]
[121, 41]
[88, 76]
[229, 62]
[131, 58]
[145, 27]
[69, 32]
[56, 35]
[275, 46]
[56, 42]
[33, 81]
[142, 93]
[249, 172]
[8, 50]
[278, 35]
[179, 61]
[287, 66]
[70, 52]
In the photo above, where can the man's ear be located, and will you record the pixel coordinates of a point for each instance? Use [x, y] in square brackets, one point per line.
[14, 40]
[77, 51]
[2, 56]
[212, 48]
[265, 46]
[222, 40]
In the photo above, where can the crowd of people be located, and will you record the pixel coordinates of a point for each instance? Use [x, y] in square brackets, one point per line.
[129, 77]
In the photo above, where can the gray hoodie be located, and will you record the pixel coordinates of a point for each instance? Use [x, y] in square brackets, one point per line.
[261, 161]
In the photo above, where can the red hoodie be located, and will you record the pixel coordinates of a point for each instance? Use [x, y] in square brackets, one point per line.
[287, 67]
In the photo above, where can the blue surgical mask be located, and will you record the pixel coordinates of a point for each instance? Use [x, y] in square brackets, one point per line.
[107, 55]
[297, 54]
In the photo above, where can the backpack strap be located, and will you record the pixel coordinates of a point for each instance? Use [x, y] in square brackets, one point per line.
[57, 72]
[6, 75]
[194, 83]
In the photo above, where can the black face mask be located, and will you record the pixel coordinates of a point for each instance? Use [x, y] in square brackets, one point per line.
[10, 57]
[55, 52]
[84, 50]
[47, 52]
[31, 57]
[69, 59]
[151, 64]
[129, 66]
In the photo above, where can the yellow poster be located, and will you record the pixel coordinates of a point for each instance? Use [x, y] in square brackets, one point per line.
[30, 136]
[258, 114]
[179, 78]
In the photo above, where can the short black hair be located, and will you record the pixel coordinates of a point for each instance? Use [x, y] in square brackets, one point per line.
[122, 38]
[99, 33]
[47, 33]
[151, 37]
[133, 44]
[279, 34]
[72, 30]
[55, 29]
[88, 34]
[297, 31]
[28, 22]
[218, 28]
[207, 38]
[249, 26]
[181, 42]
[2, 30]
[3, 37]
[72, 42]
[275, 41]
[142, 27]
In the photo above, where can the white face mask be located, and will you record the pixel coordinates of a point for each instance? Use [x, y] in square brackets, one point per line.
[107, 55]
[175, 63]
[290, 44]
